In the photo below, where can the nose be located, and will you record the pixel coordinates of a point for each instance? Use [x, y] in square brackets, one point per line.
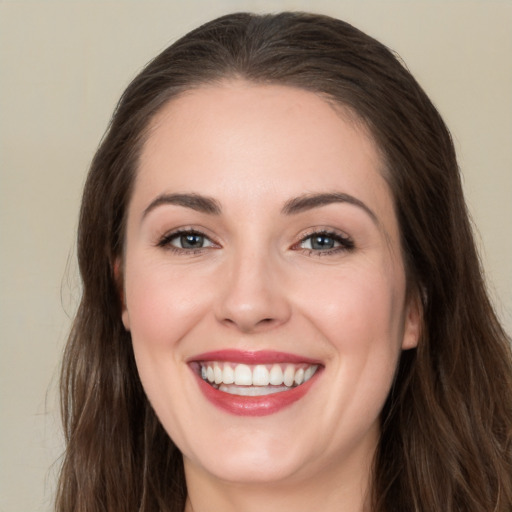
[253, 294]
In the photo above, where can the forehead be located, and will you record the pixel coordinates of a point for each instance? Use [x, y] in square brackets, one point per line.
[259, 143]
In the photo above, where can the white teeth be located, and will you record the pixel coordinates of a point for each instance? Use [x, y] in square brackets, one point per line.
[252, 390]
[257, 376]
[260, 376]
[217, 373]
[243, 375]
[310, 370]
[289, 375]
[276, 375]
[228, 375]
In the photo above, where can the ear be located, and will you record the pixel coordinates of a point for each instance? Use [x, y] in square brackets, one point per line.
[118, 276]
[413, 322]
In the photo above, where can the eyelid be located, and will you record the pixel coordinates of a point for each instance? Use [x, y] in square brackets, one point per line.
[179, 236]
[345, 242]
[165, 241]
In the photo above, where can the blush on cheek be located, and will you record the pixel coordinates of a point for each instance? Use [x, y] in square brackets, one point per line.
[357, 314]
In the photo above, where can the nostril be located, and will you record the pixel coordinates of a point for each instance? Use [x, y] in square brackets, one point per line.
[250, 325]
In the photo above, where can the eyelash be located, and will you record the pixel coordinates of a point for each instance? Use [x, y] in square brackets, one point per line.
[166, 241]
[345, 242]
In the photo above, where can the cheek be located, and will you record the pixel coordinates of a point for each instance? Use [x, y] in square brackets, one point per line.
[163, 307]
[162, 303]
[359, 310]
[362, 320]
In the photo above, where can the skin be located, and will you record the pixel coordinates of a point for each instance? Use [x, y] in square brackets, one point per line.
[257, 285]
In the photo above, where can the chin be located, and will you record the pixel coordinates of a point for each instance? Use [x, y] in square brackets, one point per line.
[260, 453]
[248, 468]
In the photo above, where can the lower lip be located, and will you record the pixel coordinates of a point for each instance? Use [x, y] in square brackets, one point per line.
[254, 405]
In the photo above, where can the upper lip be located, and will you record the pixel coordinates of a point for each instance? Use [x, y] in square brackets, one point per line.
[252, 357]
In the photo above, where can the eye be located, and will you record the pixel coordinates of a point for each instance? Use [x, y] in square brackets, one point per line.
[326, 242]
[188, 240]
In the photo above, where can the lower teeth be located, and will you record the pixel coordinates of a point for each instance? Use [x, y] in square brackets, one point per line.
[251, 390]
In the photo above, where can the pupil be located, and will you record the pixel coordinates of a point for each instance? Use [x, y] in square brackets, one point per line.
[322, 242]
[191, 241]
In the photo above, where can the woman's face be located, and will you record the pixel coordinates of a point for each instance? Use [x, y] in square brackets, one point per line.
[262, 253]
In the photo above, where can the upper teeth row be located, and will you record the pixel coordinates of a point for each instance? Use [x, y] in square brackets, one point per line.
[256, 375]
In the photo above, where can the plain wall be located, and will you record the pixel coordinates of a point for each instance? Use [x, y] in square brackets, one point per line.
[63, 66]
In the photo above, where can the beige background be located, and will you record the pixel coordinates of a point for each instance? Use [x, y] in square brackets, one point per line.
[63, 66]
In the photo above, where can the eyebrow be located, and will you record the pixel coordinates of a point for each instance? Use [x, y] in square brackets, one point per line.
[310, 201]
[196, 202]
[293, 206]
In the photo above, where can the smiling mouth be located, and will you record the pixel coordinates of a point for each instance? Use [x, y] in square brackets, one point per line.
[255, 380]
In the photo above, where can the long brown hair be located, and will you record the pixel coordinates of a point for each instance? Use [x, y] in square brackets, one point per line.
[446, 442]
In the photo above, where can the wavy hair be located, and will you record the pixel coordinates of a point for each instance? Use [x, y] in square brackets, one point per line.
[446, 427]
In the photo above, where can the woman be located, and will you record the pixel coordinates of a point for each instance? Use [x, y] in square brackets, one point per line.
[282, 301]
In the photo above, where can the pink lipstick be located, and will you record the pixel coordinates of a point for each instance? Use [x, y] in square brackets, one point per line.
[252, 383]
